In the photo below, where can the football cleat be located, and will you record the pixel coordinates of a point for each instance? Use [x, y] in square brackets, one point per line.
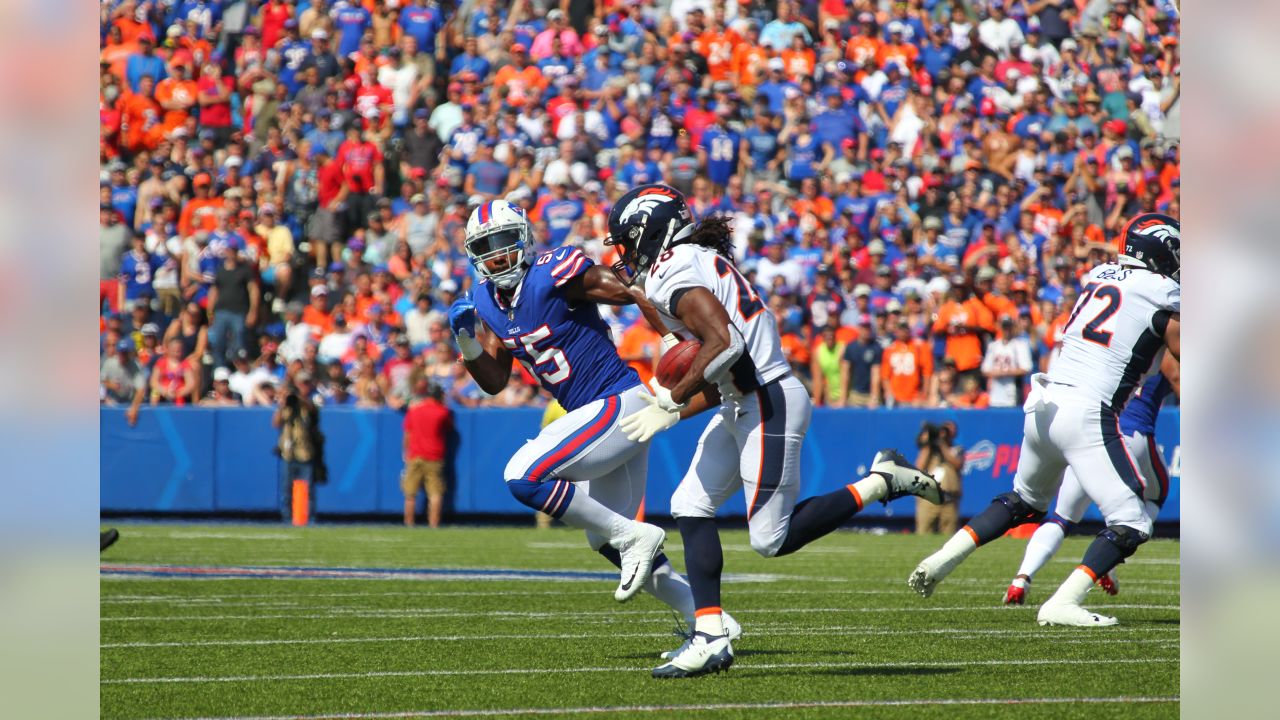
[703, 654]
[638, 549]
[1067, 614]
[107, 538]
[1110, 583]
[1017, 592]
[903, 478]
[731, 628]
[931, 571]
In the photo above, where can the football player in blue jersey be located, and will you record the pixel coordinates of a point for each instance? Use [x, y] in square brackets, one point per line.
[1138, 427]
[581, 468]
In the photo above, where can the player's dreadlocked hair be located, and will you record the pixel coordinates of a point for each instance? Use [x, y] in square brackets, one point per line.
[715, 233]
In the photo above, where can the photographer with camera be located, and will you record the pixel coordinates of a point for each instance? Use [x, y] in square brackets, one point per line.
[943, 459]
[300, 446]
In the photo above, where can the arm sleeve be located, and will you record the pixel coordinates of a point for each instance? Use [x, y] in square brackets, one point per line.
[572, 264]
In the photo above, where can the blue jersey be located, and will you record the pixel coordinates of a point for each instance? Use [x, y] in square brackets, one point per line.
[295, 55]
[566, 345]
[1139, 414]
[560, 216]
[721, 147]
[352, 20]
[424, 24]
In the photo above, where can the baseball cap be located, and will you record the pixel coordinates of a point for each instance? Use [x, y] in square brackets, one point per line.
[124, 346]
[421, 114]
[221, 374]
[986, 273]
[883, 271]
[932, 223]
[418, 198]
[862, 290]
[518, 48]
[202, 179]
[150, 329]
[319, 34]
[449, 286]
[893, 306]
[776, 64]
[875, 247]
[319, 290]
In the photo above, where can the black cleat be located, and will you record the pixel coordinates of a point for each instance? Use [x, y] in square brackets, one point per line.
[107, 538]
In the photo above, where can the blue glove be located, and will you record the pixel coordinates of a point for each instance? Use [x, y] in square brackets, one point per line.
[462, 316]
[462, 321]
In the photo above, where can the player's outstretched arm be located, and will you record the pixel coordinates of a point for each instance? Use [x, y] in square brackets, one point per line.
[706, 318]
[599, 285]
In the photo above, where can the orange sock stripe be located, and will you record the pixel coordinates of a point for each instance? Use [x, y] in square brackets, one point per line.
[973, 535]
[856, 496]
[1092, 575]
[706, 611]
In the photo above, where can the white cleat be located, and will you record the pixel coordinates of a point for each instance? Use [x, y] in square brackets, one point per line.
[931, 571]
[904, 479]
[703, 654]
[1067, 614]
[731, 628]
[638, 549]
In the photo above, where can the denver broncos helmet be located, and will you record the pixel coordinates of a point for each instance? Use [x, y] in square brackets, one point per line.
[1153, 241]
[644, 222]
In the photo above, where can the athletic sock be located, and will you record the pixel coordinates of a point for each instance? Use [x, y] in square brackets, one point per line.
[1074, 589]
[990, 523]
[1102, 557]
[821, 514]
[703, 559]
[709, 620]
[960, 546]
[586, 513]
[1044, 543]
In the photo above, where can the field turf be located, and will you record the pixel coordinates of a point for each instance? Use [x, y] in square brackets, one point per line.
[832, 631]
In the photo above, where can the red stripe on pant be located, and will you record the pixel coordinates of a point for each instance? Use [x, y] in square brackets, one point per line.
[584, 438]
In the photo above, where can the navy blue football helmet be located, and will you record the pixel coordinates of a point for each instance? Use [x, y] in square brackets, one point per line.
[1153, 241]
[642, 224]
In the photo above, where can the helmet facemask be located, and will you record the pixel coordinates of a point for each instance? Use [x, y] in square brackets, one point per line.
[505, 242]
[631, 266]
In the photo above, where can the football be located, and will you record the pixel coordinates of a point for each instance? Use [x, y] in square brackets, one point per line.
[675, 362]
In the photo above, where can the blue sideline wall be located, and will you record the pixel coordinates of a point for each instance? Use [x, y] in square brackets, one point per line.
[197, 460]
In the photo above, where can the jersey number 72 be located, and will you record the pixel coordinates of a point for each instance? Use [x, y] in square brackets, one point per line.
[1097, 294]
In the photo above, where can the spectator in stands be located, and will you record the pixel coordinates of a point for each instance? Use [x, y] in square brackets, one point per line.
[961, 320]
[826, 388]
[221, 395]
[1006, 364]
[906, 368]
[860, 369]
[427, 427]
[173, 379]
[234, 300]
[123, 380]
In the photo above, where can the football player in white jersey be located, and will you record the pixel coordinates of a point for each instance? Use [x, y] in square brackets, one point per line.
[753, 442]
[1127, 315]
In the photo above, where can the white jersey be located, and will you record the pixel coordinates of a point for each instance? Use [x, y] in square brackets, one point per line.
[1115, 335]
[685, 267]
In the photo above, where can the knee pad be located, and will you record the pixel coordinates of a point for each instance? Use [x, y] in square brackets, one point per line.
[1020, 509]
[1125, 538]
[1066, 525]
[551, 497]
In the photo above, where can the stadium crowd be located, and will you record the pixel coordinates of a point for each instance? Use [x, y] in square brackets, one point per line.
[916, 186]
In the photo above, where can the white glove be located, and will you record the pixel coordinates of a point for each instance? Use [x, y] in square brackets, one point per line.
[669, 341]
[662, 398]
[644, 424]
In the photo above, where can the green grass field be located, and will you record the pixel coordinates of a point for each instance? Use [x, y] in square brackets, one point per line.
[832, 631]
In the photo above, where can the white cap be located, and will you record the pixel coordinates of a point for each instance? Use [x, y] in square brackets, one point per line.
[776, 64]
[449, 285]
[221, 374]
[1069, 44]
[938, 285]
[319, 34]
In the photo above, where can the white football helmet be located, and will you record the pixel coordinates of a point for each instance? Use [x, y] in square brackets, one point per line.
[496, 229]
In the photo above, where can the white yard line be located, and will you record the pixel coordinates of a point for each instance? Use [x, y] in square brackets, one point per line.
[960, 664]
[796, 705]
[509, 614]
[757, 630]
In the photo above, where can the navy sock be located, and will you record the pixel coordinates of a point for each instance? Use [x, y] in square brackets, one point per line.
[818, 516]
[703, 559]
[1004, 512]
[1102, 556]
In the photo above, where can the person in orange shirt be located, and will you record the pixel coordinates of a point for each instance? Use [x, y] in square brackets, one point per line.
[201, 211]
[864, 46]
[140, 123]
[811, 202]
[970, 396]
[992, 287]
[717, 45]
[524, 82]
[640, 348]
[317, 313]
[798, 59]
[962, 319]
[749, 57]
[905, 368]
[176, 95]
[897, 51]
[115, 55]
[125, 19]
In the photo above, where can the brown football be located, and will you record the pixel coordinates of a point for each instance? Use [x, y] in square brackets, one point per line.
[675, 363]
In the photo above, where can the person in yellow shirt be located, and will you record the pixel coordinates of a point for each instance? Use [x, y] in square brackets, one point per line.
[826, 389]
[275, 267]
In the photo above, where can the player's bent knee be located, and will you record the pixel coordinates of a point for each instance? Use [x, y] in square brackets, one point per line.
[1126, 538]
[768, 545]
[685, 504]
[551, 497]
[1021, 510]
